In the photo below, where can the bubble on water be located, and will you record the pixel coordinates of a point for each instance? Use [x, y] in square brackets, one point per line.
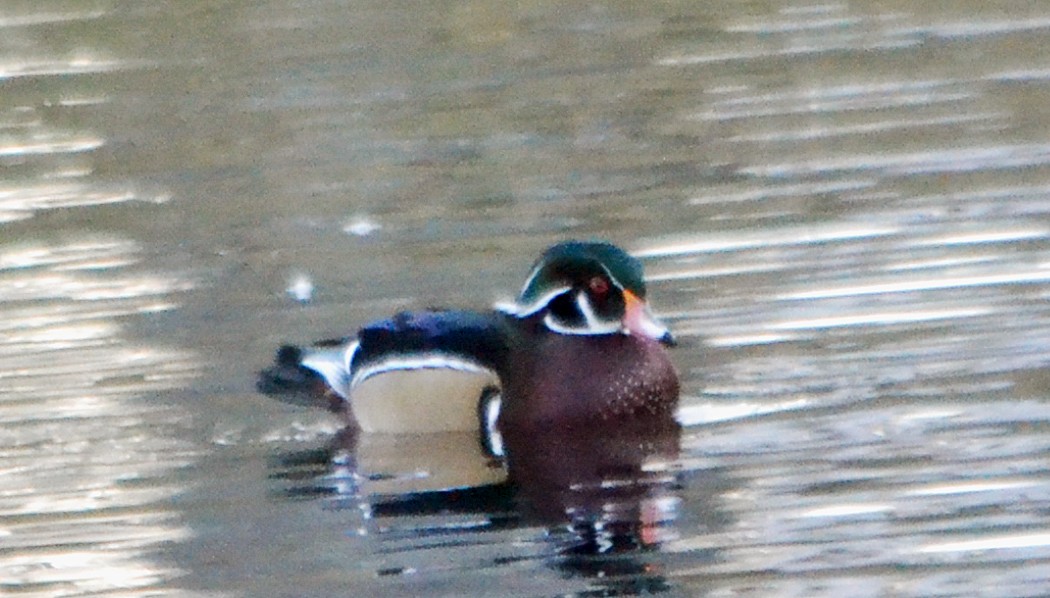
[300, 288]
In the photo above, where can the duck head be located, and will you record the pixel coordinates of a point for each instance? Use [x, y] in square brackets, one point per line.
[588, 288]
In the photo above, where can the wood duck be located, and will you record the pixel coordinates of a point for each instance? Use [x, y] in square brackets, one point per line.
[578, 346]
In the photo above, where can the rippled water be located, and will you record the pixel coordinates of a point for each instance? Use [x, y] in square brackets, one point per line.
[841, 208]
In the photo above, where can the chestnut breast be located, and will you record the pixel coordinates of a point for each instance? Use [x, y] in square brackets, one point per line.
[561, 379]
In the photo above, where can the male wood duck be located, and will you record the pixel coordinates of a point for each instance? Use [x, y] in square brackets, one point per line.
[578, 346]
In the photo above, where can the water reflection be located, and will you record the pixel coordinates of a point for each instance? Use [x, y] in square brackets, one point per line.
[606, 496]
[599, 476]
[610, 490]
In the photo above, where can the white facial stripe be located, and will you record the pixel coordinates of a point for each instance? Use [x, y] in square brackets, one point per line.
[554, 326]
[612, 278]
[424, 361]
[524, 311]
[532, 276]
[594, 324]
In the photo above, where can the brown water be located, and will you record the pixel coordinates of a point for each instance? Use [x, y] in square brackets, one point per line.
[842, 209]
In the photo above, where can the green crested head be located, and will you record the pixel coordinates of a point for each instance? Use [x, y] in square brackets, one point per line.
[569, 262]
[588, 288]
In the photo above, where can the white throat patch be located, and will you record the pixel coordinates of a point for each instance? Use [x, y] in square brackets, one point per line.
[593, 324]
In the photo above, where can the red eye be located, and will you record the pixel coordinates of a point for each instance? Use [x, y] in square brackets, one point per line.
[599, 286]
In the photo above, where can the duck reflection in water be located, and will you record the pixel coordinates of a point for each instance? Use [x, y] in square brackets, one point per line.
[605, 496]
[612, 483]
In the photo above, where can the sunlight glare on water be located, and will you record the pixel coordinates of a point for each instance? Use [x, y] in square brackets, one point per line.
[83, 457]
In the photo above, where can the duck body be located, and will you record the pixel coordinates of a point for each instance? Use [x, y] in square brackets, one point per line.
[578, 346]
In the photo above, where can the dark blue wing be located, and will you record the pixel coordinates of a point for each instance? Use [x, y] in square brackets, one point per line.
[479, 337]
[302, 374]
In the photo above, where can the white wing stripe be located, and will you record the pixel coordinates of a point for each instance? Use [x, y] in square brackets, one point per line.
[422, 361]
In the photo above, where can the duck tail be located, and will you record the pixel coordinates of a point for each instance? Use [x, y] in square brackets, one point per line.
[306, 376]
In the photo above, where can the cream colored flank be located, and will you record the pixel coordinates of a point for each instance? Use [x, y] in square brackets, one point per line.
[432, 398]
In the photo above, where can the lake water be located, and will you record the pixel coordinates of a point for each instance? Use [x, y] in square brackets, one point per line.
[842, 209]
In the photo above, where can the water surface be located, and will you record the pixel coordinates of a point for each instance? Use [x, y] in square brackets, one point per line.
[841, 208]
